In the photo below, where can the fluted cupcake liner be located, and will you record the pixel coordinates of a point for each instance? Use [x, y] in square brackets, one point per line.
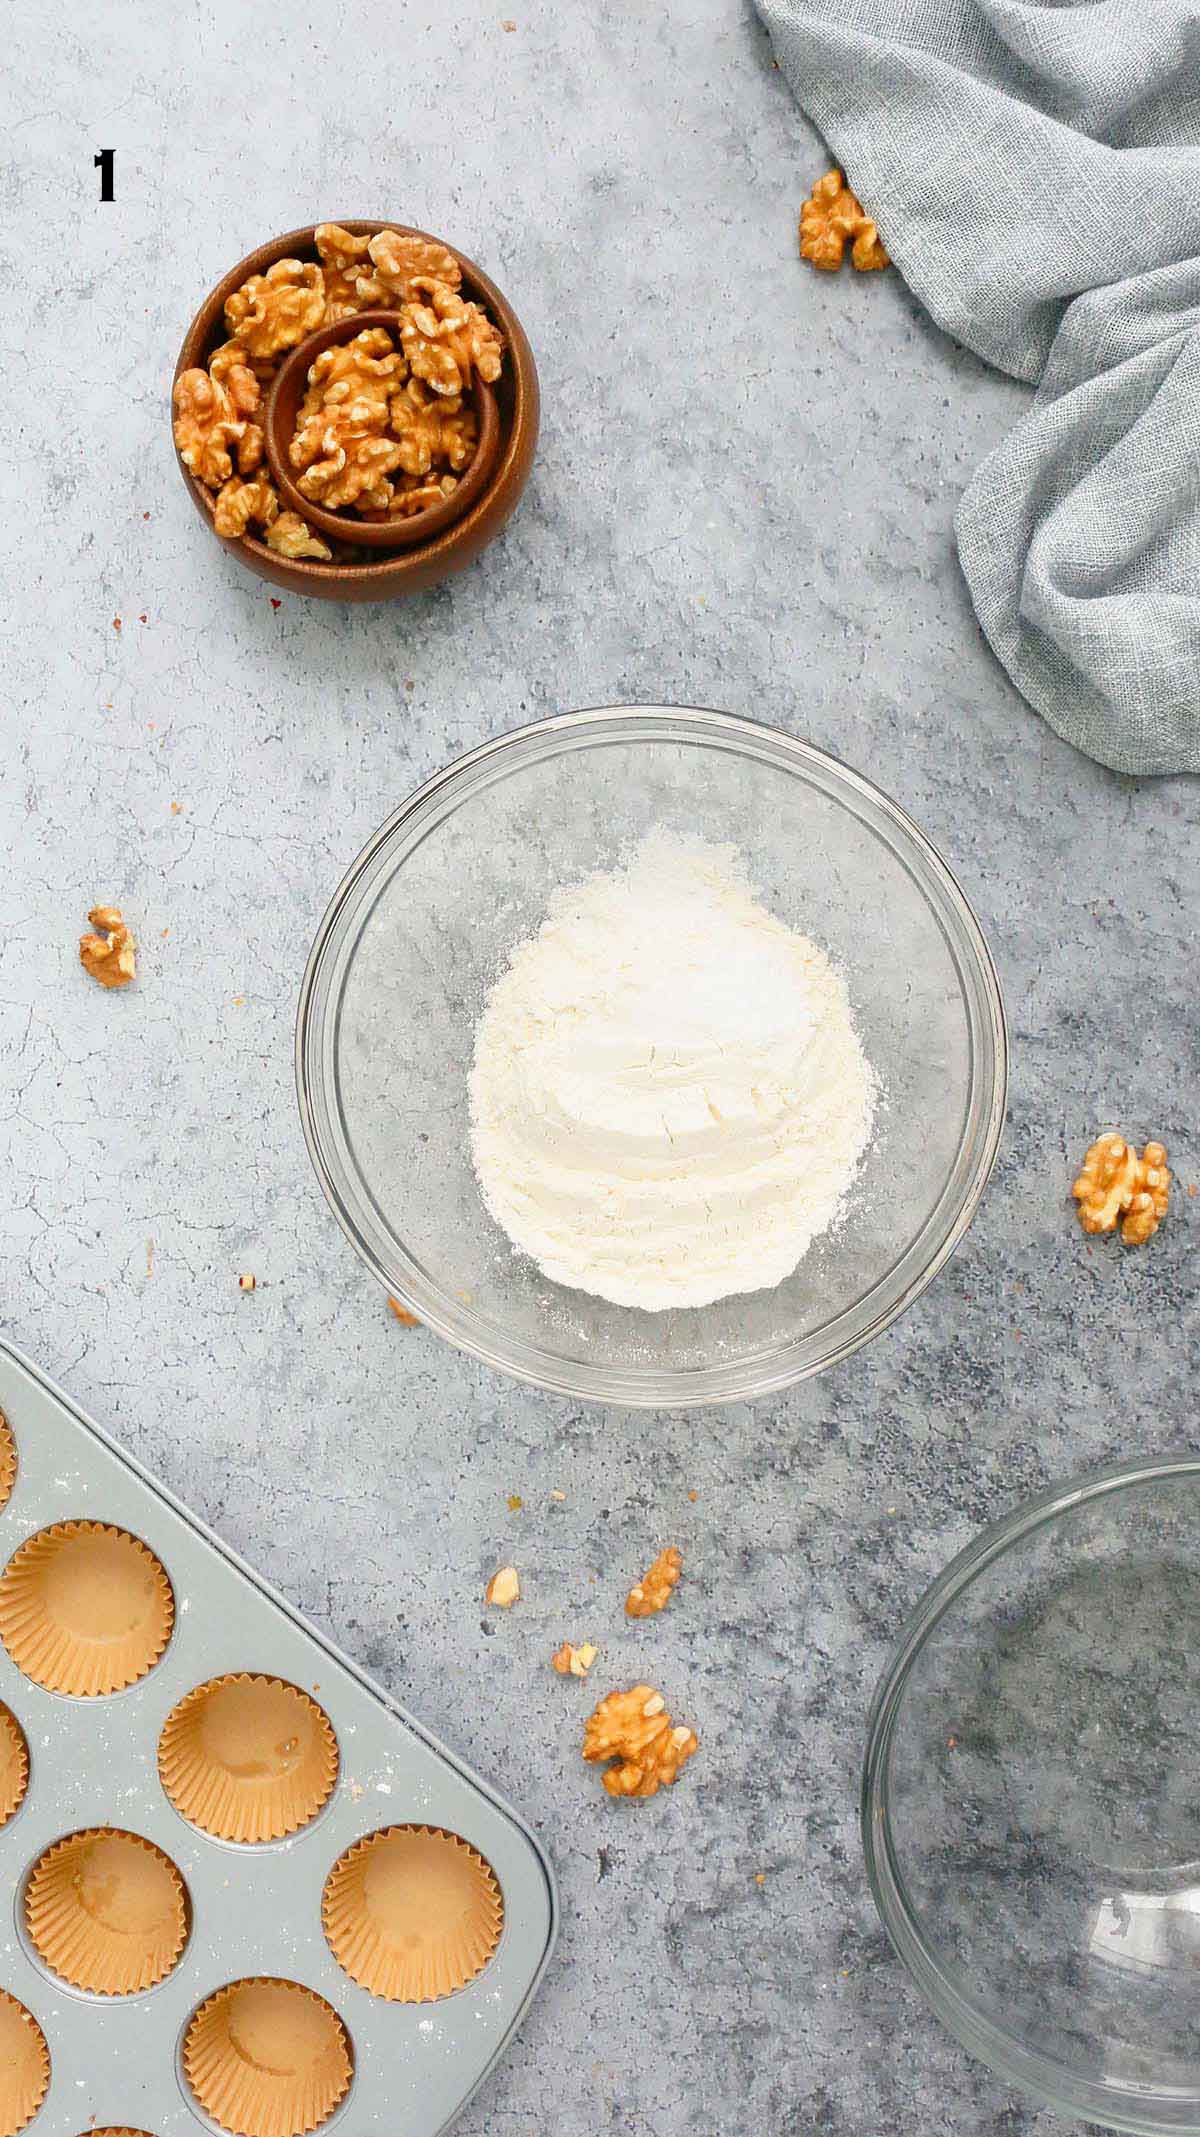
[114, 2132]
[107, 1911]
[267, 2058]
[8, 1460]
[412, 1913]
[14, 1765]
[248, 1758]
[24, 2065]
[85, 1608]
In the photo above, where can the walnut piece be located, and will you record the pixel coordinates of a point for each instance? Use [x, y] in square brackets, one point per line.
[574, 1661]
[108, 955]
[503, 1589]
[402, 1314]
[830, 215]
[1115, 1183]
[272, 312]
[244, 504]
[432, 428]
[445, 337]
[229, 367]
[417, 492]
[635, 1728]
[399, 262]
[653, 1592]
[206, 425]
[289, 536]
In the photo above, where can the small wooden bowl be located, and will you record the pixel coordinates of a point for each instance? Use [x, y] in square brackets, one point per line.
[411, 571]
[279, 428]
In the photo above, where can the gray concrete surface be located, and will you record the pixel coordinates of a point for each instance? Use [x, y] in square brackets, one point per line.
[743, 498]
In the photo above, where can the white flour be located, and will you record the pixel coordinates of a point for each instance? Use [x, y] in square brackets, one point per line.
[668, 1097]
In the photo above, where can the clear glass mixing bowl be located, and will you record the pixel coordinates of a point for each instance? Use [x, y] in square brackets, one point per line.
[424, 922]
[1031, 1797]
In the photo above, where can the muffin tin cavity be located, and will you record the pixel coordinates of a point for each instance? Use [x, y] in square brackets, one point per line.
[14, 1765]
[8, 1460]
[85, 1609]
[248, 1758]
[106, 1912]
[24, 2065]
[412, 1913]
[267, 2058]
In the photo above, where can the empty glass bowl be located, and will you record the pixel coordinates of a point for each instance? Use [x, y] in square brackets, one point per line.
[463, 872]
[1031, 1797]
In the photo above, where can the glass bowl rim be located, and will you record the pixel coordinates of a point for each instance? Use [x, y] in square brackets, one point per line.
[1062, 2091]
[747, 1378]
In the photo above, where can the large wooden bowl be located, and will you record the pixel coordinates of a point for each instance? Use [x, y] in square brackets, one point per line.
[412, 570]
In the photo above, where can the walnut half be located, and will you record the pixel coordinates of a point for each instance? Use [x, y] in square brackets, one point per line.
[1114, 1182]
[635, 1729]
[830, 215]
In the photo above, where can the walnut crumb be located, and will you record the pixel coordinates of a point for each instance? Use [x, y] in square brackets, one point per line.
[653, 1592]
[402, 1314]
[1114, 1183]
[830, 215]
[247, 1282]
[635, 1729]
[503, 1589]
[574, 1661]
[110, 954]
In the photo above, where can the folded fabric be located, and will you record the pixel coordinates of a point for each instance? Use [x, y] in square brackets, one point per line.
[1034, 169]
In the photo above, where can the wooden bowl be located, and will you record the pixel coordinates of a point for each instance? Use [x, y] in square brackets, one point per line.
[411, 571]
[279, 428]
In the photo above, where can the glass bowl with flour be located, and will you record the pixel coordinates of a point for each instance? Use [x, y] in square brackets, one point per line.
[652, 1056]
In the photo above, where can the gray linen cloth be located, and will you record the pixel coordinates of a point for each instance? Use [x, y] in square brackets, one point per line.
[1034, 170]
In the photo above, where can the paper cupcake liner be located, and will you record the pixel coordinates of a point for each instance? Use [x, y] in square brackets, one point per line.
[248, 1758]
[412, 1913]
[267, 2058]
[107, 1911]
[24, 2065]
[8, 1460]
[85, 1609]
[113, 2132]
[14, 1765]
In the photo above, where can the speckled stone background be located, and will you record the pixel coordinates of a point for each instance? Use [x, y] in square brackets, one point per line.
[743, 498]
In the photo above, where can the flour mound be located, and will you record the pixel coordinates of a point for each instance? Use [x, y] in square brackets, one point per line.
[669, 1101]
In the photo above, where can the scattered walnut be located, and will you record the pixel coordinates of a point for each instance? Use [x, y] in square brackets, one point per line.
[206, 425]
[110, 954]
[399, 262]
[272, 312]
[635, 1728]
[1114, 1182]
[402, 1314]
[574, 1661]
[288, 536]
[653, 1592]
[247, 1283]
[830, 215]
[243, 504]
[504, 1589]
[445, 336]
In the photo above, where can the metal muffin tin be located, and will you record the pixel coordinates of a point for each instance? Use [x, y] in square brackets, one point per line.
[256, 1910]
